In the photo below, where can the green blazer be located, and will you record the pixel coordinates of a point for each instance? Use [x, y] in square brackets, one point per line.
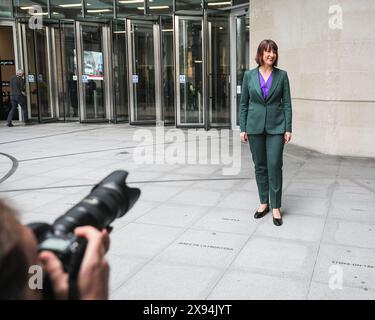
[273, 115]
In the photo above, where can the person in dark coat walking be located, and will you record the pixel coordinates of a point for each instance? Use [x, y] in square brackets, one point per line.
[17, 97]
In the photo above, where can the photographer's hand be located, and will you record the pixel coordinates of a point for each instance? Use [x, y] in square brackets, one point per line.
[93, 276]
[94, 272]
[54, 268]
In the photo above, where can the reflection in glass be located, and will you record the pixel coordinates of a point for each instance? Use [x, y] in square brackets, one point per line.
[31, 74]
[160, 6]
[26, 8]
[242, 55]
[99, 9]
[219, 72]
[188, 5]
[59, 73]
[93, 72]
[62, 9]
[38, 70]
[120, 71]
[216, 4]
[143, 77]
[125, 8]
[190, 67]
[5, 8]
[42, 76]
[67, 72]
[168, 70]
[236, 2]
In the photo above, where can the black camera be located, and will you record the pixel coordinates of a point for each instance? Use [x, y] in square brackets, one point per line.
[111, 198]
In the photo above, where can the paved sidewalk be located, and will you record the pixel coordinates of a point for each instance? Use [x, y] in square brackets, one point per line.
[192, 234]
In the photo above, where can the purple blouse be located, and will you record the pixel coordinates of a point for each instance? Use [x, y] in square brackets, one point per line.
[265, 86]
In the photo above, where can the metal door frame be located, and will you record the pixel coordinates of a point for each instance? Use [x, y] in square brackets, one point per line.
[107, 81]
[157, 64]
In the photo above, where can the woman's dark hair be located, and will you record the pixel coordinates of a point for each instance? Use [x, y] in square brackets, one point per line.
[266, 45]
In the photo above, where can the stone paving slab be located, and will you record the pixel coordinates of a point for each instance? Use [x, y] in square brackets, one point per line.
[240, 285]
[298, 228]
[143, 240]
[169, 281]
[304, 205]
[227, 220]
[191, 197]
[173, 215]
[240, 200]
[194, 237]
[278, 257]
[358, 234]
[353, 210]
[204, 248]
[321, 291]
[353, 267]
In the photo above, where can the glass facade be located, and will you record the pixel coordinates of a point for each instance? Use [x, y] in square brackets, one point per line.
[115, 60]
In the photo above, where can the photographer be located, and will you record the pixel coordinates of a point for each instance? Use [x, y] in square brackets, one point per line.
[18, 251]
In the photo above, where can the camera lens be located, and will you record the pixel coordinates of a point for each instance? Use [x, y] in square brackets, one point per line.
[109, 199]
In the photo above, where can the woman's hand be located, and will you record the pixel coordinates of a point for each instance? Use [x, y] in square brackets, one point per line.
[243, 136]
[287, 136]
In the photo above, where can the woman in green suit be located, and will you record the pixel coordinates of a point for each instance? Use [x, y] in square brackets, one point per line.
[266, 122]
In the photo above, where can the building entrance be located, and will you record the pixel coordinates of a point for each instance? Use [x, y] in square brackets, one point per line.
[7, 69]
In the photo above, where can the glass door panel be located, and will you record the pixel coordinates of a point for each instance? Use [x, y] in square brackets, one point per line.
[66, 71]
[44, 99]
[142, 72]
[120, 71]
[189, 71]
[37, 46]
[218, 72]
[91, 62]
[167, 70]
[30, 74]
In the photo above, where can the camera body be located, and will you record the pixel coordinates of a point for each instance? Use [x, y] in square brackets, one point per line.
[68, 248]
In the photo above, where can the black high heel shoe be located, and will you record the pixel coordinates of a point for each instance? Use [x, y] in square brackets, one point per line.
[277, 221]
[261, 214]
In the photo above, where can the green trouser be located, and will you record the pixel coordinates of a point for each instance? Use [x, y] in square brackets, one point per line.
[267, 152]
